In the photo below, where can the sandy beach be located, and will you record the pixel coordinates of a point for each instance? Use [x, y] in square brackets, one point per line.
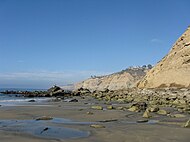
[120, 125]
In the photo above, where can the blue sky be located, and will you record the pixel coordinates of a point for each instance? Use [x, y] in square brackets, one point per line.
[46, 42]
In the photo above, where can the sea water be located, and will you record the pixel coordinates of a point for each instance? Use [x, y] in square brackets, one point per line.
[18, 99]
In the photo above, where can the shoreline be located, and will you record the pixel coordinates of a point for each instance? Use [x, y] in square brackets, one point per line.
[119, 124]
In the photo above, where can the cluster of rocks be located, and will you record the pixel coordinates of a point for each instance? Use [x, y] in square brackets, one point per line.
[145, 99]
[54, 91]
[25, 93]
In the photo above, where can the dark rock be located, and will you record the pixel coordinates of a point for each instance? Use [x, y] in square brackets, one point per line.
[71, 100]
[44, 118]
[109, 120]
[31, 101]
[142, 121]
[81, 91]
[45, 129]
[54, 89]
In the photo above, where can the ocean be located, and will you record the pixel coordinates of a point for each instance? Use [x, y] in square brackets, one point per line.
[18, 99]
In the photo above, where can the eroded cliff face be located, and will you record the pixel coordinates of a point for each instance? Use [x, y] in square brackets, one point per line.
[174, 69]
[116, 81]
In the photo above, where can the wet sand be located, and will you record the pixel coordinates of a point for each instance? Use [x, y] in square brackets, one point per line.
[123, 129]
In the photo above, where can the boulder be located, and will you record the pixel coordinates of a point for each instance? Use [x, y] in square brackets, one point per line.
[162, 112]
[146, 114]
[110, 107]
[153, 109]
[134, 109]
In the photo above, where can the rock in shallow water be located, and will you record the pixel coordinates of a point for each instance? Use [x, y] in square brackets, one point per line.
[31, 101]
[142, 121]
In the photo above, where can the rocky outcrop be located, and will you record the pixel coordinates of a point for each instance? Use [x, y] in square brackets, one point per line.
[121, 80]
[54, 91]
[174, 69]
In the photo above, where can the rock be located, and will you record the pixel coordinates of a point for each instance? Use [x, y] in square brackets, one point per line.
[187, 124]
[31, 101]
[154, 109]
[162, 112]
[109, 120]
[141, 105]
[54, 88]
[110, 107]
[56, 100]
[183, 102]
[134, 109]
[142, 121]
[176, 102]
[57, 93]
[178, 115]
[121, 100]
[120, 108]
[97, 126]
[44, 118]
[45, 129]
[90, 113]
[180, 110]
[146, 114]
[97, 107]
[71, 100]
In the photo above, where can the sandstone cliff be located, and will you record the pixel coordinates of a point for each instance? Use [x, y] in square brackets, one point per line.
[174, 69]
[121, 80]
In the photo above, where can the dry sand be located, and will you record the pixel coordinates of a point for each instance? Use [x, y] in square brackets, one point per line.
[123, 130]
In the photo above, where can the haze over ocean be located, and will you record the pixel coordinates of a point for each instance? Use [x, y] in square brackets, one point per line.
[46, 42]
